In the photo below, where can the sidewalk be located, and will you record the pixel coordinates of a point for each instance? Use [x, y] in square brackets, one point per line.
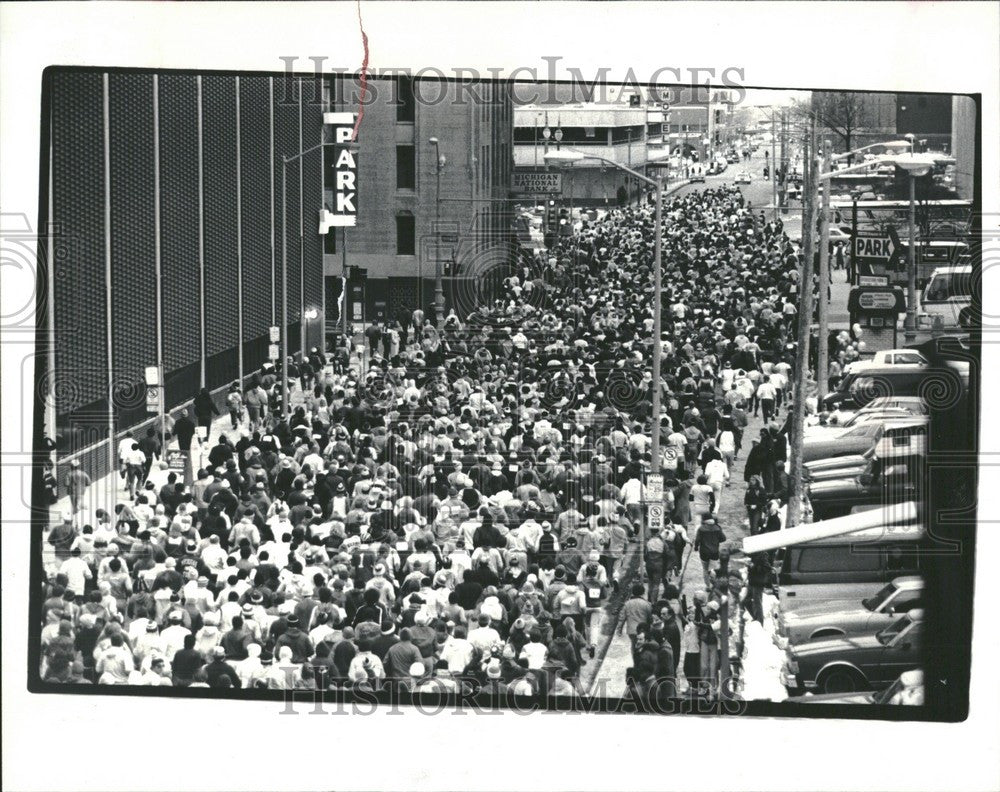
[109, 490]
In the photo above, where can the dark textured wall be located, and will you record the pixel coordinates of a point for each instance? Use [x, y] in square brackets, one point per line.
[78, 209]
[237, 228]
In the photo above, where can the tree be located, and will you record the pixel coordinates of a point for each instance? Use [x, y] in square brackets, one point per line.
[842, 112]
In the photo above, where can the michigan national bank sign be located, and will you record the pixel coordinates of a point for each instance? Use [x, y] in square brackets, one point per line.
[341, 173]
[536, 183]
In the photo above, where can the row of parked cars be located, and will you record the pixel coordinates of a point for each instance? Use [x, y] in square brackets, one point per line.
[850, 608]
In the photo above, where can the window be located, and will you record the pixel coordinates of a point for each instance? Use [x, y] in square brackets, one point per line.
[838, 558]
[406, 168]
[406, 102]
[405, 234]
[902, 557]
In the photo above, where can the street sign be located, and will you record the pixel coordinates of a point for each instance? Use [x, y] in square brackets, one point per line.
[655, 515]
[274, 334]
[536, 183]
[272, 352]
[654, 487]
[873, 280]
[176, 460]
[877, 301]
[876, 247]
[152, 398]
[342, 172]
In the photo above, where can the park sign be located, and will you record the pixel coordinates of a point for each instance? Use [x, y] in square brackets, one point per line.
[536, 183]
[874, 247]
[341, 172]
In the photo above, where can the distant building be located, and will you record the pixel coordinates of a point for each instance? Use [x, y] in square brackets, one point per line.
[617, 132]
[395, 245]
[963, 145]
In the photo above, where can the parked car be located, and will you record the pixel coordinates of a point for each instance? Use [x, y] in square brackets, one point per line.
[848, 567]
[880, 484]
[697, 178]
[856, 617]
[837, 467]
[859, 388]
[743, 177]
[846, 664]
[865, 415]
[853, 441]
[908, 689]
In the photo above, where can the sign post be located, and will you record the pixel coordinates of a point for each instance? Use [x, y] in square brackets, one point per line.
[876, 309]
[873, 256]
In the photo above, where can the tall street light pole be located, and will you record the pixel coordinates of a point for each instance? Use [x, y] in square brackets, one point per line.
[822, 352]
[285, 407]
[438, 286]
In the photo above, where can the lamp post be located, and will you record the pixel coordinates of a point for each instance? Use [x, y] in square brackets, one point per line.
[915, 166]
[438, 288]
[570, 157]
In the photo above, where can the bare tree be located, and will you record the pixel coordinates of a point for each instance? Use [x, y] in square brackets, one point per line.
[842, 112]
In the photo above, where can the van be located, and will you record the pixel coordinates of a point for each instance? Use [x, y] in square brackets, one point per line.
[848, 567]
[948, 295]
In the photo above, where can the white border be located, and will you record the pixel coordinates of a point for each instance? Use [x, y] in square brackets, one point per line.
[924, 46]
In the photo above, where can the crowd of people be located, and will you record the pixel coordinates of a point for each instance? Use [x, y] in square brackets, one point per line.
[451, 505]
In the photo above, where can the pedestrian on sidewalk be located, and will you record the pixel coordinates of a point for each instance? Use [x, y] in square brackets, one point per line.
[636, 612]
[184, 431]
[205, 410]
[234, 401]
[755, 501]
[707, 542]
[77, 482]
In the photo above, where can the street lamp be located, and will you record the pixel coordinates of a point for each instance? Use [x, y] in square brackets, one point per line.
[915, 166]
[439, 162]
[892, 144]
[570, 157]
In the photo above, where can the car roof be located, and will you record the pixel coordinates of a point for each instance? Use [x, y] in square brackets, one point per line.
[879, 533]
[962, 268]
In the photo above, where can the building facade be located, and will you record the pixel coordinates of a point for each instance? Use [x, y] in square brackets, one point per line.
[616, 132]
[419, 202]
[165, 229]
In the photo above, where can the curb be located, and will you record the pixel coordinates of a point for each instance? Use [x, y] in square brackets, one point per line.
[612, 616]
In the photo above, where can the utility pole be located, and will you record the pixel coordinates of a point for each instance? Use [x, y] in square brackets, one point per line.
[805, 320]
[822, 354]
[773, 167]
[784, 155]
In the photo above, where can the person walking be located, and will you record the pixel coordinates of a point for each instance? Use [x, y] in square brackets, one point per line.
[77, 482]
[234, 402]
[205, 410]
[755, 501]
[707, 542]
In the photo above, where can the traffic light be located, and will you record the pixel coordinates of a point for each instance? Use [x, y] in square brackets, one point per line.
[551, 223]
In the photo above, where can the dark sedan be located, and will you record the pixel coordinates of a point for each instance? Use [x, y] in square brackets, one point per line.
[850, 663]
[837, 497]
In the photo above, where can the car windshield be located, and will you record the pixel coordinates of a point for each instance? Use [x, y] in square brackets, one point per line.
[872, 603]
[886, 635]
